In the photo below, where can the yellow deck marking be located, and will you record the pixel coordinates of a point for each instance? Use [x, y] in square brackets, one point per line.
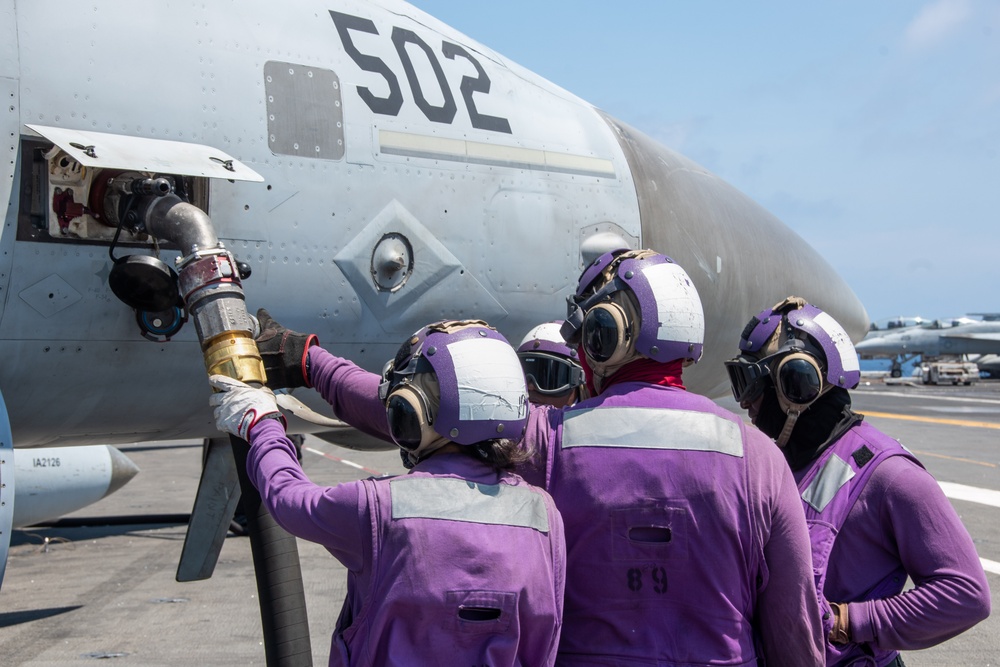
[939, 420]
[935, 420]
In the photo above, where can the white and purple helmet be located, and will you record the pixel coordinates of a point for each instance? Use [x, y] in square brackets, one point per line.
[480, 388]
[546, 337]
[793, 328]
[670, 319]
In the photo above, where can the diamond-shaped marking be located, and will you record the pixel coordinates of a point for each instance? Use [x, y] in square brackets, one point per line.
[50, 295]
[425, 297]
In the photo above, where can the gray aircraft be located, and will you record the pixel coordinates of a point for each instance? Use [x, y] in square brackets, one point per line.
[933, 339]
[357, 167]
[892, 325]
[989, 364]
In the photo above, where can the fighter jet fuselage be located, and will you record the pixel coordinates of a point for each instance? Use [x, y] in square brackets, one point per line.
[407, 174]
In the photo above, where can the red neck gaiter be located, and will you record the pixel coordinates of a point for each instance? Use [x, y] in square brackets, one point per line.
[641, 370]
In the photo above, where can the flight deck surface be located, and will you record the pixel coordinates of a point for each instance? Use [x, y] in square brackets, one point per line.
[73, 594]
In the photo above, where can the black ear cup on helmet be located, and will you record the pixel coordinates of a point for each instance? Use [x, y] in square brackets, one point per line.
[798, 379]
[410, 421]
[606, 334]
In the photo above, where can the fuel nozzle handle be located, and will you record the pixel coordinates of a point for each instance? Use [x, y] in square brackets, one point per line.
[131, 183]
[153, 187]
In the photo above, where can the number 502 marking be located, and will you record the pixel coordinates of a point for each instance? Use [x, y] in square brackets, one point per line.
[391, 104]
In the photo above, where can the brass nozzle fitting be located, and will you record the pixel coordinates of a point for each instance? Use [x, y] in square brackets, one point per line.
[234, 354]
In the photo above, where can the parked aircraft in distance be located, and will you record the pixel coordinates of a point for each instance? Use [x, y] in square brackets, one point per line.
[373, 167]
[932, 339]
[893, 324]
[989, 364]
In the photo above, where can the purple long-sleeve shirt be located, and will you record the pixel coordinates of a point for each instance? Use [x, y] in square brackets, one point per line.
[351, 391]
[903, 518]
[452, 533]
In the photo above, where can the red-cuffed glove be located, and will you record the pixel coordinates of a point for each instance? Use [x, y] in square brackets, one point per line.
[284, 353]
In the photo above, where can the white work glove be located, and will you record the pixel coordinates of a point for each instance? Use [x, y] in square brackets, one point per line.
[238, 406]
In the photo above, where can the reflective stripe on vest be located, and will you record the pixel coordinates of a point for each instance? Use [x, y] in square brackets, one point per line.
[461, 500]
[651, 428]
[835, 473]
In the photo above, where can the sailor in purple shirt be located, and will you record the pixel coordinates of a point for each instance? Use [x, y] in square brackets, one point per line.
[459, 562]
[552, 369]
[687, 544]
[875, 515]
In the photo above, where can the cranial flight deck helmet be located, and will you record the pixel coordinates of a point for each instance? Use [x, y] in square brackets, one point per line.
[552, 366]
[453, 381]
[632, 303]
[799, 350]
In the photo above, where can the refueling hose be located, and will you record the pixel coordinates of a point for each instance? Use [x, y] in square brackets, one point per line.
[212, 291]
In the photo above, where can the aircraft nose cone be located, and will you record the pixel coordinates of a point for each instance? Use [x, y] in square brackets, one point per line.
[122, 470]
[741, 258]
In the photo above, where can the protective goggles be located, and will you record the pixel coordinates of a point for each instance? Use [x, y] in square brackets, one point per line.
[389, 380]
[748, 378]
[796, 376]
[550, 374]
[577, 307]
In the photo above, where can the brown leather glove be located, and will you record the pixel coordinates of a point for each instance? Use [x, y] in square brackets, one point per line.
[284, 353]
[841, 632]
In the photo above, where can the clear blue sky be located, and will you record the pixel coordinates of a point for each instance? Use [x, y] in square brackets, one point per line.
[872, 128]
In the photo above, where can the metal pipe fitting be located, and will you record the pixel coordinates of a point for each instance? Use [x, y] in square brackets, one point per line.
[211, 288]
[172, 219]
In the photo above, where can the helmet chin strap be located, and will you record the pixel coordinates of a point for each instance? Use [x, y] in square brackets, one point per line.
[793, 411]
[786, 431]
